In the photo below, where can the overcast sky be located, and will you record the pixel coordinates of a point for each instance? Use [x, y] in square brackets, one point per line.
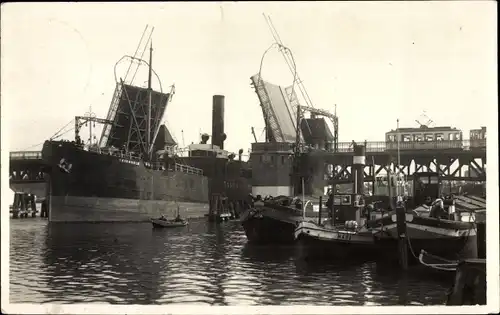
[377, 61]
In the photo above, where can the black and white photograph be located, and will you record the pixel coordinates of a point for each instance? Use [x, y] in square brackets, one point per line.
[249, 157]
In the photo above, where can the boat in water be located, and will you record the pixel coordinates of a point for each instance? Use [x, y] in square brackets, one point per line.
[273, 220]
[432, 224]
[344, 235]
[135, 171]
[288, 168]
[329, 241]
[163, 222]
[438, 266]
[287, 180]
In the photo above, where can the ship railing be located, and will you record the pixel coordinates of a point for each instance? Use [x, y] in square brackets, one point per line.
[382, 146]
[118, 153]
[26, 155]
[187, 169]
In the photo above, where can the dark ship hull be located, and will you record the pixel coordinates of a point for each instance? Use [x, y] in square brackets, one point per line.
[85, 186]
[328, 242]
[272, 223]
[264, 229]
[444, 238]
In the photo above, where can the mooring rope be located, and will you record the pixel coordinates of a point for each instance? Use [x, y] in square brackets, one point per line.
[459, 252]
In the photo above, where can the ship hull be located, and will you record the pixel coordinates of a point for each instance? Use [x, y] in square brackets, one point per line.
[445, 247]
[267, 230]
[329, 243]
[95, 187]
[92, 209]
[313, 247]
[444, 238]
[272, 226]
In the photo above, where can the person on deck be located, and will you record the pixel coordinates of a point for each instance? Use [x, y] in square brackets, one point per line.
[437, 210]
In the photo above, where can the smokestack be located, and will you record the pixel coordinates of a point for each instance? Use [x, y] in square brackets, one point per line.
[218, 135]
[358, 166]
[240, 152]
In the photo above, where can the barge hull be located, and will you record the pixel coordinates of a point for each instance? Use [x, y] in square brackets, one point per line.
[451, 248]
[266, 230]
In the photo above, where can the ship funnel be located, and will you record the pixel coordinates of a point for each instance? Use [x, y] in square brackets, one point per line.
[358, 165]
[218, 135]
[240, 152]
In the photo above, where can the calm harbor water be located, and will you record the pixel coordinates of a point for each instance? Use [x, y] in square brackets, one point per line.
[130, 263]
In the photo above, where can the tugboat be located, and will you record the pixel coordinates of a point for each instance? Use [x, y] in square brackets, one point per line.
[345, 234]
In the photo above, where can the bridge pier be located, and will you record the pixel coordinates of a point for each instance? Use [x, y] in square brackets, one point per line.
[23, 205]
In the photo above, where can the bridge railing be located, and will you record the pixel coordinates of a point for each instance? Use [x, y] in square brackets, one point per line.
[26, 155]
[381, 146]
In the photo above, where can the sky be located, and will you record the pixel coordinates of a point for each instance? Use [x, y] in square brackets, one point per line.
[377, 61]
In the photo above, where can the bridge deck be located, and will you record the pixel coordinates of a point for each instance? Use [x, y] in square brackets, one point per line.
[345, 148]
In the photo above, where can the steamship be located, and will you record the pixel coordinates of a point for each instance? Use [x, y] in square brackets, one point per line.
[134, 173]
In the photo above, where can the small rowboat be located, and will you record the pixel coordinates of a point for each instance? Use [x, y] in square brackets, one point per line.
[438, 266]
[437, 263]
[162, 223]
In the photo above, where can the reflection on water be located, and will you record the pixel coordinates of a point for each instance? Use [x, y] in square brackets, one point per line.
[202, 263]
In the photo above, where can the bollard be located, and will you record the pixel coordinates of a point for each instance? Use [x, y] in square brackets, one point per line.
[320, 208]
[402, 239]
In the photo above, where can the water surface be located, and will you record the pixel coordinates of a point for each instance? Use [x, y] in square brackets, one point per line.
[131, 263]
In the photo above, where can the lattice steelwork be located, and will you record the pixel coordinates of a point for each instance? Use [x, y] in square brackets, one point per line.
[130, 122]
[111, 114]
[277, 110]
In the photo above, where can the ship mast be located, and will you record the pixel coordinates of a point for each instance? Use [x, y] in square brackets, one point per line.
[400, 191]
[148, 142]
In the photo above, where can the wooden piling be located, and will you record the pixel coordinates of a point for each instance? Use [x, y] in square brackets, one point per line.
[43, 212]
[470, 283]
[320, 208]
[402, 238]
[481, 240]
